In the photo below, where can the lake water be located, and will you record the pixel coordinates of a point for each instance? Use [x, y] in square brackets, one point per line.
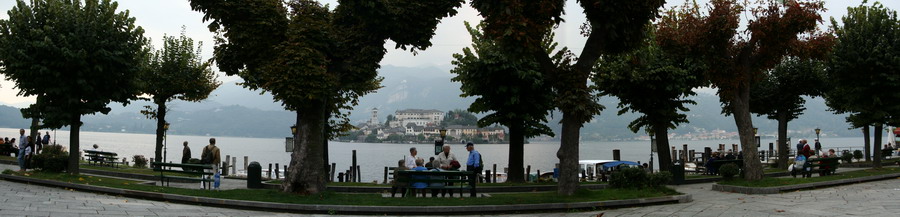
[373, 157]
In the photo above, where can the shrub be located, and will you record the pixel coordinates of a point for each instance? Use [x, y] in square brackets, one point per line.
[846, 156]
[53, 158]
[728, 171]
[857, 155]
[628, 178]
[139, 161]
[660, 179]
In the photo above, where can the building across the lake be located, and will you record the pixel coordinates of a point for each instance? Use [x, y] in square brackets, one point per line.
[423, 123]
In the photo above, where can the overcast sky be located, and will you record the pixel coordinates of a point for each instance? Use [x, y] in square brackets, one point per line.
[166, 17]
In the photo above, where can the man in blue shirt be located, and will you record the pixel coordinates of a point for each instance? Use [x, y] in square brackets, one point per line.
[474, 162]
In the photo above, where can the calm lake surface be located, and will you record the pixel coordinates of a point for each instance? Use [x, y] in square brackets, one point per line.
[373, 157]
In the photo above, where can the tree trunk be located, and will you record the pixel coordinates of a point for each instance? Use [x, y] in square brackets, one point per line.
[305, 174]
[327, 114]
[516, 172]
[74, 150]
[740, 105]
[783, 148]
[662, 146]
[867, 146]
[34, 132]
[160, 130]
[876, 148]
[568, 154]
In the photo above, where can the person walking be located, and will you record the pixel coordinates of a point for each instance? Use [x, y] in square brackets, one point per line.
[474, 162]
[211, 155]
[186, 154]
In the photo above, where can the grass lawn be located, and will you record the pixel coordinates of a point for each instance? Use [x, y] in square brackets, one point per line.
[267, 195]
[773, 182]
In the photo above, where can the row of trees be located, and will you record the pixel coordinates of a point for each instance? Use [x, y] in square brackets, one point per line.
[319, 60]
[77, 57]
[763, 68]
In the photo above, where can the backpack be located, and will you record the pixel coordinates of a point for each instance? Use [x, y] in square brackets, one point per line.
[480, 162]
[207, 156]
[46, 140]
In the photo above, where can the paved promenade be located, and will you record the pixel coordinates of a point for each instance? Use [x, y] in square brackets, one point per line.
[880, 198]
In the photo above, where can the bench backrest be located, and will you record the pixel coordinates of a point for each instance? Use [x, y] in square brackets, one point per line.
[186, 168]
[425, 176]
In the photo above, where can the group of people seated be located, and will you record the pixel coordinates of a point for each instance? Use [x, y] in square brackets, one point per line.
[444, 161]
[712, 168]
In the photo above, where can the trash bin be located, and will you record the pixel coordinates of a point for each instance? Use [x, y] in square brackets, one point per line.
[677, 173]
[254, 175]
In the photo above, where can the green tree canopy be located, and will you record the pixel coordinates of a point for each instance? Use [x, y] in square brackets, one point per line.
[738, 58]
[75, 56]
[779, 96]
[612, 26]
[508, 86]
[316, 60]
[651, 82]
[459, 117]
[176, 71]
[863, 69]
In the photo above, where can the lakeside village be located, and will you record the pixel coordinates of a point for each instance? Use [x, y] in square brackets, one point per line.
[423, 126]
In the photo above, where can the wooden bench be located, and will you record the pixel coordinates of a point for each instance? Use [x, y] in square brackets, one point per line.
[823, 166]
[715, 164]
[100, 158]
[465, 180]
[199, 170]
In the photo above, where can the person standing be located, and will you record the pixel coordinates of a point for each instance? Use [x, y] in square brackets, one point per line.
[211, 156]
[411, 158]
[818, 146]
[799, 145]
[186, 154]
[474, 162]
[23, 143]
[44, 142]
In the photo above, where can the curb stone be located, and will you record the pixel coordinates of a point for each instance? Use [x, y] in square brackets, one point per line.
[354, 209]
[779, 189]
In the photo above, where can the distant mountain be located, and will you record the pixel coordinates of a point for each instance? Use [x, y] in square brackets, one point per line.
[236, 111]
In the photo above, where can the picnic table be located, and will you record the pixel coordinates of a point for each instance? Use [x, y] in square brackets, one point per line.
[466, 180]
[102, 158]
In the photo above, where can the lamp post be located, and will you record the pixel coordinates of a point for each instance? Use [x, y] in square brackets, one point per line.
[817, 133]
[165, 141]
[438, 145]
[756, 135]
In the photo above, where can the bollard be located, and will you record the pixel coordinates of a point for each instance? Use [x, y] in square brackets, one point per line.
[333, 167]
[347, 176]
[358, 175]
[340, 177]
[350, 174]
[691, 159]
[674, 154]
[354, 167]
[617, 154]
[225, 168]
[277, 171]
[771, 148]
[707, 152]
[538, 176]
[684, 155]
[233, 167]
[487, 177]
[269, 173]
[494, 177]
[385, 175]
[285, 172]
[528, 173]
[721, 148]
